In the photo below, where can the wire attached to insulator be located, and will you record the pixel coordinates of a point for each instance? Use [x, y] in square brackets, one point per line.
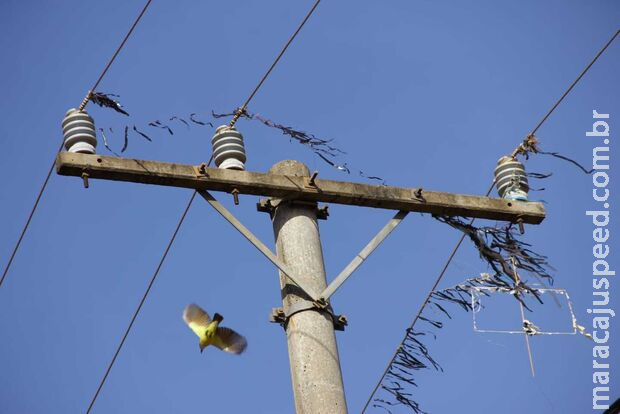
[118, 50]
[244, 107]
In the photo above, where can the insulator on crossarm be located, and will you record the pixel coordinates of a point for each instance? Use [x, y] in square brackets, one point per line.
[228, 148]
[78, 129]
[511, 179]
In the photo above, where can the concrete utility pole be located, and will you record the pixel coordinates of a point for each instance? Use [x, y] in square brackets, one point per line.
[306, 314]
[312, 348]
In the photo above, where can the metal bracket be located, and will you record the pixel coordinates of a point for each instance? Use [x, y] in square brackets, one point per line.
[268, 205]
[85, 176]
[310, 183]
[280, 317]
[321, 303]
[359, 259]
[201, 170]
[322, 212]
[417, 194]
[255, 241]
[235, 194]
[521, 225]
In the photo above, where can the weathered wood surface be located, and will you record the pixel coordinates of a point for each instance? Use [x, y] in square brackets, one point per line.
[298, 188]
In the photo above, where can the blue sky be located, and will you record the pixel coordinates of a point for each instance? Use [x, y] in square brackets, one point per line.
[420, 93]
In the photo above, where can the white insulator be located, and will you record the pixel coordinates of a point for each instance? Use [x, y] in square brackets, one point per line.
[78, 129]
[228, 148]
[511, 179]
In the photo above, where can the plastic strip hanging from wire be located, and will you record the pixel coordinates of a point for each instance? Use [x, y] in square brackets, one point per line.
[501, 249]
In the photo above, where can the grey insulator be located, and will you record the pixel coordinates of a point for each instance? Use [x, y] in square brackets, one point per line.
[228, 148]
[511, 179]
[78, 129]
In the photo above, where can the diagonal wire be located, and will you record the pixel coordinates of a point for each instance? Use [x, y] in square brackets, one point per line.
[49, 173]
[242, 109]
[34, 208]
[146, 293]
[570, 88]
[118, 50]
[458, 244]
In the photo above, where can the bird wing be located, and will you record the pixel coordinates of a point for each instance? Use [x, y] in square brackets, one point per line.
[230, 341]
[196, 318]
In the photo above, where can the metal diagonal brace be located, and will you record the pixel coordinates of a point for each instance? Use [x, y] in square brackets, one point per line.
[363, 255]
[254, 240]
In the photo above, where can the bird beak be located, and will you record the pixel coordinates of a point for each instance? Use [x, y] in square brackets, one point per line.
[201, 349]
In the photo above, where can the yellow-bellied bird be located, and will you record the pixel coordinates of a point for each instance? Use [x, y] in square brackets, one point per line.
[209, 331]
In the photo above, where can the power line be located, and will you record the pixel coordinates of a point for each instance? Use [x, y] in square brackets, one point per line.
[458, 244]
[570, 88]
[242, 109]
[49, 173]
[34, 208]
[113, 58]
[146, 293]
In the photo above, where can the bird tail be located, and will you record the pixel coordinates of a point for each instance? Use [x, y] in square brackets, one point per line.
[218, 318]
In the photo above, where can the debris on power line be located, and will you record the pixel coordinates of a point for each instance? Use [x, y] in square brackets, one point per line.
[142, 134]
[192, 117]
[126, 140]
[505, 254]
[157, 124]
[318, 145]
[105, 100]
[183, 121]
[539, 176]
[413, 355]
[499, 248]
[105, 142]
[531, 145]
[321, 147]
[511, 179]
[496, 245]
[565, 158]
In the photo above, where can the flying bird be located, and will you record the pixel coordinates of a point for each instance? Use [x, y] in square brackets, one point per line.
[210, 333]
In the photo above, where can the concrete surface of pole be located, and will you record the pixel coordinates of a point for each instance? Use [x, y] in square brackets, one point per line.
[313, 352]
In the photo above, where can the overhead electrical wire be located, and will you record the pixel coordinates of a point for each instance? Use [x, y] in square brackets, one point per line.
[238, 113]
[570, 88]
[243, 107]
[81, 107]
[34, 208]
[113, 58]
[460, 241]
[146, 293]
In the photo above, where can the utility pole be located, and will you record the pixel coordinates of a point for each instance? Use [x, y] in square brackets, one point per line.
[306, 315]
[312, 348]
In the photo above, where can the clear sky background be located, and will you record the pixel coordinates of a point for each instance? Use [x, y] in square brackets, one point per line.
[421, 93]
